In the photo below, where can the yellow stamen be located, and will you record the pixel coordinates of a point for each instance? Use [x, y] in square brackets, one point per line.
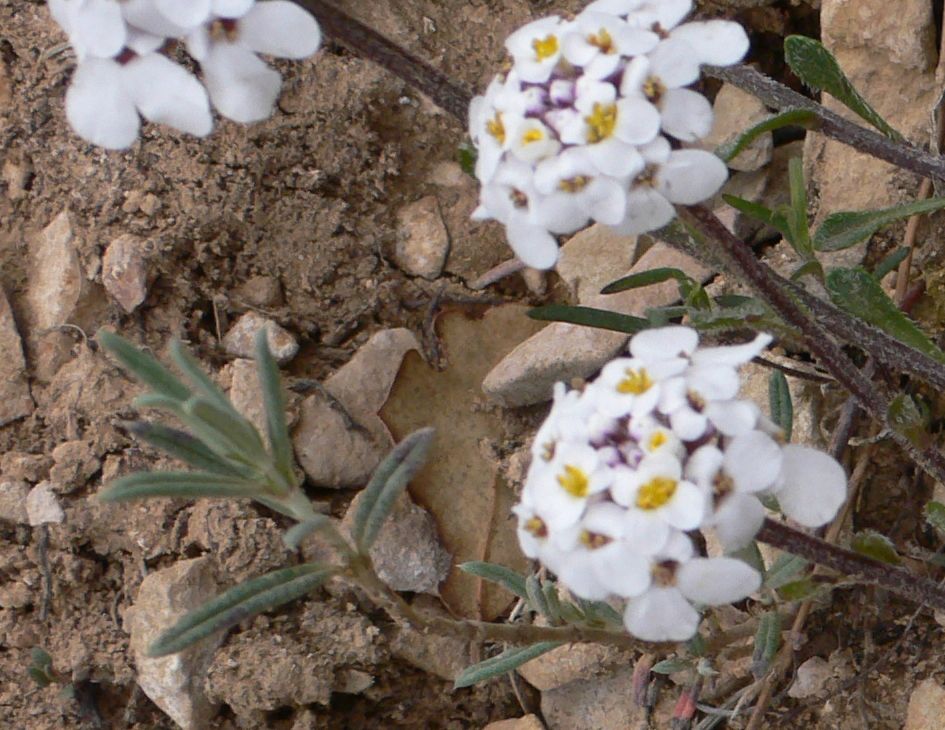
[574, 481]
[536, 527]
[593, 540]
[601, 122]
[723, 484]
[574, 184]
[696, 401]
[637, 382]
[654, 89]
[657, 439]
[656, 492]
[496, 128]
[545, 47]
[602, 40]
[532, 135]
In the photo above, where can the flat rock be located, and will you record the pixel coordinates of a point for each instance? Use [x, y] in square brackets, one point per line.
[926, 706]
[407, 554]
[587, 262]
[735, 111]
[15, 399]
[245, 393]
[334, 450]
[529, 722]
[55, 276]
[260, 291]
[423, 242]
[563, 351]
[174, 683]
[125, 271]
[569, 663]
[811, 680]
[443, 656]
[13, 496]
[42, 505]
[240, 341]
[599, 703]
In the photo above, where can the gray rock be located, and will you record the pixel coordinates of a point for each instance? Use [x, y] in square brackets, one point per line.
[125, 271]
[259, 291]
[15, 399]
[811, 680]
[13, 496]
[423, 242]
[240, 341]
[599, 703]
[735, 111]
[174, 683]
[55, 278]
[570, 663]
[245, 393]
[42, 505]
[593, 258]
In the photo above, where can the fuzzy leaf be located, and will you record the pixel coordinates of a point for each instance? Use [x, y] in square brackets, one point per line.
[202, 383]
[848, 228]
[187, 484]
[816, 66]
[232, 437]
[536, 596]
[646, 278]
[239, 603]
[185, 447]
[274, 403]
[503, 663]
[874, 545]
[294, 536]
[906, 418]
[553, 602]
[798, 590]
[890, 262]
[799, 227]
[773, 218]
[790, 118]
[767, 641]
[671, 665]
[779, 400]
[784, 570]
[589, 317]
[499, 574]
[143, 366]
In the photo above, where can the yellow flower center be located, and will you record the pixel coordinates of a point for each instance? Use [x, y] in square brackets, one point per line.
[593, 540]
[723, 484]
[496, 128]
[637, 382]
[545, 47]
[601, 122]
[574, 481]
[574, 184]
[654, 89]
[602, 40]
[657, 439]
[532, 135]
[536, 527]
[656, 492]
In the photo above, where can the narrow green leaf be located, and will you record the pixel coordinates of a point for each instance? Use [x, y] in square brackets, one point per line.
[784, 570]
[550, 591]
[798, 590]
[189, 484]
[890, 262]
[874, 545]
[589, 317]
[536, 597]
[728, 318]
[645, 278]
[159, 402]
[185, 447]
[857, 292]
[848, 228]
[779, 400]
[239, 603]
[797, 214]
[407, 458]
[790, 118]
[935, 516]
[503, 663]
[39, 676]
[671, 665]
[143, 366]
[571, 614]
[661, 316]
[750, 555]
[276, 426]
[767, 641]
[203, 384]
[499, 574]
[906, 418]
[40, 658]
[466, 154]
[812, 267]
[294, 536]
[600, 613]
[775, 219]
[816, 66]
[232, 437]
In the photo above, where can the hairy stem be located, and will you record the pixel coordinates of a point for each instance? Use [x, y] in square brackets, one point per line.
[445, 92]
[832, 124]
[858, 567]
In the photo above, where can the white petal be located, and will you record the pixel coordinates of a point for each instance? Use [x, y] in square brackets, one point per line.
[638, 121]
[713, 382]
[622, 571]
[100, 27]
[686, 510]
[753, 460]
[143, 43]
[602, 65]
[166, 93]
[664, 342]
[647, 210]
[241, 86]
[691, 176]
[714, 581]
[733, 417]
[687, 424]
[674, 63]
[576, 573]
[733, 354]
[704, 464]
[280, 28]
[99, 108]
[232, 8]
[532, 244]
[198, 44]
[615, 158]
[576, 49]
[635, 41]
[661, 614]
[184, 13]
[144, 15]
[814, 486]
[738, 520]
[646, 533]
[716, 42]
[670, 12]
[686, 114]
[608, 201]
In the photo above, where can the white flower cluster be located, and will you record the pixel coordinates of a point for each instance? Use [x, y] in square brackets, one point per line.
[122, 73]
[657, 446]
[578, 129]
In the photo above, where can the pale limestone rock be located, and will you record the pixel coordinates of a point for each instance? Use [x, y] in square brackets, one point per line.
[597, 703]
[588, 261]
[811, 679]
[55, 276]
[570, 663]
[125, 271]
[245, 393]
[240, 341]
[42, 505]
[423, 242]
[15, 399]
[174, 683]
[926, 706]
[735, 111]
[13, 495]
[443, 656]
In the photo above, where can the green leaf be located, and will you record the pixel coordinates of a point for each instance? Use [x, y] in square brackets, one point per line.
[203, 384]
[890, 262]
[815, 66]
[671, 665]
[239, 603]
[811, 267]
[503, 663]
[728, 318]
[848, 228]
[798, 590]
[767, 641]
[466, 154]
[388, 481]
[858, 293]
[499, 574]
[784, 570]
[188, 484]
[232, 437]
[779, 400]
[600, 613]
[185, 447]
[750, 555]
[40, 658]
[274, 403]
[550, 591]
[39, 676]
[790, 118]
[646, 278]
[589, 317]
[536, 596]
[775, 219]
[935, 516]
[874, 545]
[797, 213]
[143, 366]
[571, 614]
[294, 536]
[906, 418]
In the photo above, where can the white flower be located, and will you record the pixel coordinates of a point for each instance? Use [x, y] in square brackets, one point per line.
[536, 48]
[571, 183]
[685, 114]
[95, 27]
[596, 42]
[560, 490]
[241, 86]
[105, 98]
[812, 485]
